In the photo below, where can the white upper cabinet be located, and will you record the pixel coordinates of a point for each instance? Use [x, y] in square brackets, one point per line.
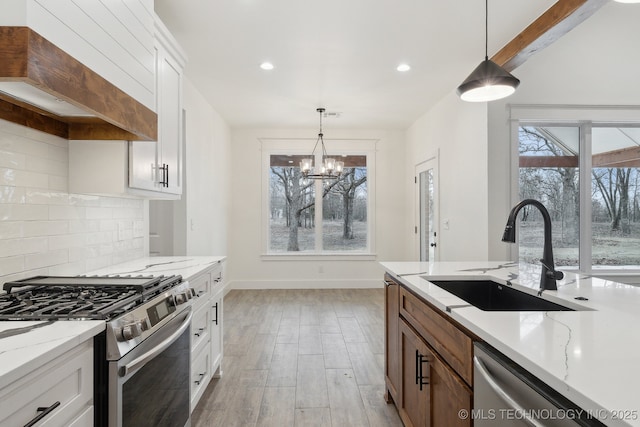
[158, 167]
[151, 169]
[170, 122]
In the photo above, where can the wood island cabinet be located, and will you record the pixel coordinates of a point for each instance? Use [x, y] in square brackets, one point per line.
[392, 352]
[429, 370]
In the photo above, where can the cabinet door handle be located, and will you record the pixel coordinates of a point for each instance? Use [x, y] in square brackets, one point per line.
[44, 411]
[421, 380]
[164, 173]
[199, 332]
[216, 319]
[199, 380]
[418, 368]
[164, 181]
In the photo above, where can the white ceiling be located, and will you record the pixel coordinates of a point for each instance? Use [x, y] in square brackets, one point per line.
[337, 54]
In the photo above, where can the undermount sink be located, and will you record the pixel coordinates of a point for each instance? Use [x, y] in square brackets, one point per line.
[488, 295]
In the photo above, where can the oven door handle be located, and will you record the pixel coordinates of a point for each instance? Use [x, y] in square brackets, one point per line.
[140, 361]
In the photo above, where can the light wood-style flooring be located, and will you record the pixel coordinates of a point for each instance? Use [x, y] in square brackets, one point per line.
[300, 358]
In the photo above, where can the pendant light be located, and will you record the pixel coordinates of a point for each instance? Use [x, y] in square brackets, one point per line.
[488, 81]
[330, 168]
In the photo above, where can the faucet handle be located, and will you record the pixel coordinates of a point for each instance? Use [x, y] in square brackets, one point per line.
[555, 274]
[551, 273]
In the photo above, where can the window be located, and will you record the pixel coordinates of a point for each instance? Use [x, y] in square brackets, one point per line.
[587, 174]
[307, 216]
[549, 172]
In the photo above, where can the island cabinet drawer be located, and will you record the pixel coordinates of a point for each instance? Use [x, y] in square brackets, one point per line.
[202, 287]
[64, 386]
[454, 345]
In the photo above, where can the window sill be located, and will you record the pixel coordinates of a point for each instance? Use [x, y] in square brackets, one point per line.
[329, 256]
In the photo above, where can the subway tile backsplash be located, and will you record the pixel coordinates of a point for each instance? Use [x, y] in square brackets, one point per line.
[46, 230]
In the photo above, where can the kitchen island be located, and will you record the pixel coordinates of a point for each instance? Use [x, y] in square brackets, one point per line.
[590, 355]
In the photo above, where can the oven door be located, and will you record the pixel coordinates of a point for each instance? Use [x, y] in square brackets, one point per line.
[149, 386]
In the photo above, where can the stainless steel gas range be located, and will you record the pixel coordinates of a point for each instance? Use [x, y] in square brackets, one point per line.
[141, 360]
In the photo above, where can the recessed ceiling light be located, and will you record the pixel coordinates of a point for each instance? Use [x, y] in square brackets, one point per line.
[266, 66]
[403, 67]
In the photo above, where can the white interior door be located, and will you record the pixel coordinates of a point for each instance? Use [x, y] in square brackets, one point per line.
[426, 201]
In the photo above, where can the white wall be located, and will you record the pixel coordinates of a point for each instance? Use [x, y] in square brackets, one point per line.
[208, 157]
[198, 223]
[246, 267]
[458, 132]
[46, 230]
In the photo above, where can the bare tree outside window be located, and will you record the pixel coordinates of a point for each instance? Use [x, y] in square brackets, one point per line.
[292, 207]
[549, 172]
[345, 209]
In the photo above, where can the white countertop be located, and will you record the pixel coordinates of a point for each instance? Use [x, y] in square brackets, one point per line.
[23, 352]
[591, 356]
[186, 266]
[26, 351]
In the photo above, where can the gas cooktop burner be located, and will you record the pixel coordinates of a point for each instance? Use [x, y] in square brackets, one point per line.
[79, 297]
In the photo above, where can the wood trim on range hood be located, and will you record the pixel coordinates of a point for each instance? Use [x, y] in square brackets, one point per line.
[27, 57]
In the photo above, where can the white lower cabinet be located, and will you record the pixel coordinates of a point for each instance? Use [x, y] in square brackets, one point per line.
[59, 393]
[206, 330]
[200, 375]
[200, 329]
[215, 332]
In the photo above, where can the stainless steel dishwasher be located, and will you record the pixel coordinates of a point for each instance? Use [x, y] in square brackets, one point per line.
[505, 394]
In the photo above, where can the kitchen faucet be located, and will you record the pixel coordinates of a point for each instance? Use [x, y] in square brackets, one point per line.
[549, 275]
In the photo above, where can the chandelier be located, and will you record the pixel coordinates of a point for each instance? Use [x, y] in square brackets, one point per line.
[330, 169]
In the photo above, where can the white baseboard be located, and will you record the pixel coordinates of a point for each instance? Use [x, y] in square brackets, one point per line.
[304, 284]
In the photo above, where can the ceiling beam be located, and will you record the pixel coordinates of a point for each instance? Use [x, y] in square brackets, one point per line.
[625, 157]
[548, 161]
[622, 158]
[555, 22]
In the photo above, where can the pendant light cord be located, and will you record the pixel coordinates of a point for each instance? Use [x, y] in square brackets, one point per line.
[486, 30]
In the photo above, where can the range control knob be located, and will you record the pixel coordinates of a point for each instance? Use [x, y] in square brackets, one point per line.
[181, 298]
[131, 331]
[143, 324]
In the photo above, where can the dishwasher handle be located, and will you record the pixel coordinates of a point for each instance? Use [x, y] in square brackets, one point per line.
[482, 370]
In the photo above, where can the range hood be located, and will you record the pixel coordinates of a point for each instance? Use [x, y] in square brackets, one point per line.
[44, 88]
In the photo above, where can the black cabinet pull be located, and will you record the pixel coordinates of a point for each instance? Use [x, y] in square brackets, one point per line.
[164, 181]
[199, 380]
[44, 411]
[418, 368]
[216, 319]
[199, 332]
[421, 380]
